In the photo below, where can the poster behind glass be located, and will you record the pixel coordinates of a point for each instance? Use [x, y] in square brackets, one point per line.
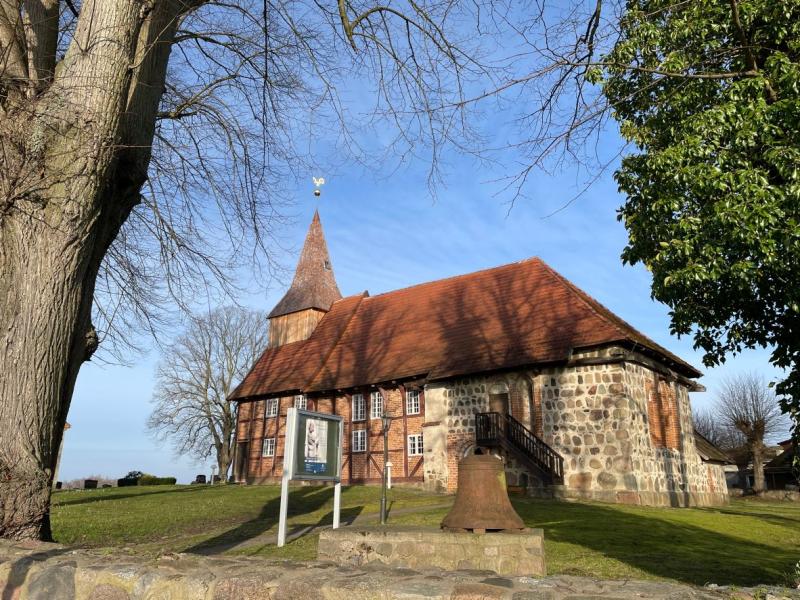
[317, 449]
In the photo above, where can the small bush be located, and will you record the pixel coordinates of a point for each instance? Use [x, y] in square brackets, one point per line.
[132, 478]
[153, 480]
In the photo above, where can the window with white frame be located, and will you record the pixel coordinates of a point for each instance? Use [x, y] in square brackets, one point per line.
[271, 409]
[359, 440]
[375, 405]
[300, 401]
[412, 402]
[268, 449]
[359, 407]
[415, 445]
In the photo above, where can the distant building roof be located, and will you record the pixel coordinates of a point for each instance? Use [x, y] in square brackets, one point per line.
[510, 316]
[784, 461]
[314, 285]
[710, 452]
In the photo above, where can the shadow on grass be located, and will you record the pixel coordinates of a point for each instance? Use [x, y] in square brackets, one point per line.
[347, 516]
[662, 547]
[772, 518]
[100, 495]
[301, 501]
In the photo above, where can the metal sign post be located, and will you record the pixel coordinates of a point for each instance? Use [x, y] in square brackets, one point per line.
[312, 452]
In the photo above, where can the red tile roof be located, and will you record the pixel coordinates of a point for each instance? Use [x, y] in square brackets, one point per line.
[290, 367]
[519, 314]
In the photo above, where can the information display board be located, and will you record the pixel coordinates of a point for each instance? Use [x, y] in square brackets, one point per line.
[313, 452]
[317, 446]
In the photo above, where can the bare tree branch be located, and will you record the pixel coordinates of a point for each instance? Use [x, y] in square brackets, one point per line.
[748, 405]
[195, 376]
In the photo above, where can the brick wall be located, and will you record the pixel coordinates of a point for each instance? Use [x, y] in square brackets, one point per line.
[662, 413]
[366, 466]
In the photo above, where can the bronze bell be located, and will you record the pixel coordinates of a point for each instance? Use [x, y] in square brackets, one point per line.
[482, 502]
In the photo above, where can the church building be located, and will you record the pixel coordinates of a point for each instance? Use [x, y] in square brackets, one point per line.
[514, 359]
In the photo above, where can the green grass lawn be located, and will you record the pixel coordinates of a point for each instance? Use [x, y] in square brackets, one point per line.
[747, 543]
[154, 519]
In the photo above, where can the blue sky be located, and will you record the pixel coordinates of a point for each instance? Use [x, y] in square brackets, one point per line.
[385, 233]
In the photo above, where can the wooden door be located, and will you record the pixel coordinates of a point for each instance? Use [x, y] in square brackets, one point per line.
[499, 403]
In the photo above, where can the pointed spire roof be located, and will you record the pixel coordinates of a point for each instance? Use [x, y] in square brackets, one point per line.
[314, 285]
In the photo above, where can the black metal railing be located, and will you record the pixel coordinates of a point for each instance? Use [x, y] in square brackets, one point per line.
[496, 429]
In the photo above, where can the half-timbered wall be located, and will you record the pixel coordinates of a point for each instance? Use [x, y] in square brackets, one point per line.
[358, 466]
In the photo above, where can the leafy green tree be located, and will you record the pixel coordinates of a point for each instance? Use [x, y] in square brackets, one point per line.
[709, 95]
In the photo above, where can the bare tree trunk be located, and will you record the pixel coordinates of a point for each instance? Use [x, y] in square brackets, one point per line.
[69, 180]
[224, 462]
[757, 451]
[49, 287]
[225, 450]
[222, 433]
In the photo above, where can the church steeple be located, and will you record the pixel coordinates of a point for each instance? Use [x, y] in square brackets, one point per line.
[311, 294]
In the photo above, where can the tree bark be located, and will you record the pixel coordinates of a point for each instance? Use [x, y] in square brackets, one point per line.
[74, 164]
[224, 462]
[757, 451]
[46, 335]
[222, 433]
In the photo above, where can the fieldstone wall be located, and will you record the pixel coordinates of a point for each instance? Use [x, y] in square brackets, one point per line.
[587, 419]
[670, 476]
[598, 417]
[449, 433]
[520, 554]
[52, 572]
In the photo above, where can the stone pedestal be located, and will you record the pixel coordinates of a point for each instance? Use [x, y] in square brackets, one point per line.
[512, 554]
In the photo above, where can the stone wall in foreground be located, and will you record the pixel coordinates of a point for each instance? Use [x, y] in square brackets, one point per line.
[52, 572]
[520, 554]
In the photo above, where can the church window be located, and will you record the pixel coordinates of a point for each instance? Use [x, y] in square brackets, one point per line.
[375, 405]
[359, 407]
[300, 401]
[412, 402]
[415, 445]
[271, 409]
[268, 449]
[359, 440]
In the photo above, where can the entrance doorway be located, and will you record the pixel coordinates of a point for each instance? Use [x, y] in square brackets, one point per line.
[498, 403]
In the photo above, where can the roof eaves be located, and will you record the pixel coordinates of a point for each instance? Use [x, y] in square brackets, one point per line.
[234, 396]
[626, 331]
